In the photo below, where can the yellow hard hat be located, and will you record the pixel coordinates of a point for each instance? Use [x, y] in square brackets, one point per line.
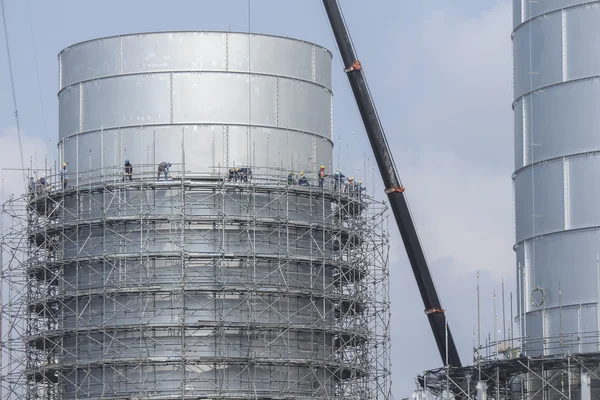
[322, 167]
[64, 164]
[302, 173]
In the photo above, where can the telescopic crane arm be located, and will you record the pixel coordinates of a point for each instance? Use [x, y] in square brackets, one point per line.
[393, 187]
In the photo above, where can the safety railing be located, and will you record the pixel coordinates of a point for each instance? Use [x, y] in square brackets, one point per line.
[566, 343]
[149, 173]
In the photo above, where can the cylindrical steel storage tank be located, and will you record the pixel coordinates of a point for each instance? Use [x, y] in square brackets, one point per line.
[224, 278]
[557, 177]
[231, 99]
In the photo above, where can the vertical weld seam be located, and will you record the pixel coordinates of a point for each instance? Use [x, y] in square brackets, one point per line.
[171, 96]
[525, 131]
[567, 204]
[227, 51]
[80, 107]
[331, 116]
[120, 55]
[564, 46]
[314, 63]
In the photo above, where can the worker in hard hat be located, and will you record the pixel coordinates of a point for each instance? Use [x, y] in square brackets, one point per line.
[231, 176]
[358, 187]
[31, 184]
[128, 168]
[163, 168]
[43, 180]
[321, 176]
[302, 181]
[64, 174]
[338, 180]
[351, 185]
[290, 178]
[245, 174]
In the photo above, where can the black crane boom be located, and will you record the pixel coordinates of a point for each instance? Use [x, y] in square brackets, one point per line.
[394, 189]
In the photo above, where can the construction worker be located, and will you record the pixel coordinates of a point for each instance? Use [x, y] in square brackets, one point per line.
[128, 171]
[290, 179]
[351, 185]
[163, 168]
[43, 180]
[64, 177]
[359, 188]
[302, 181]
[321, 175]
[33, 186]
[245, 174]
[338, 180]
[231, 176]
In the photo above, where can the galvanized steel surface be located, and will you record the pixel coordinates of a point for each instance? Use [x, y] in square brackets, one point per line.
[557, 162]
[140, 96]
[193, 285]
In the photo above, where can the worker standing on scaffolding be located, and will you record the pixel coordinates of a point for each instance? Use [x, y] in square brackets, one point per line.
[31, 185]
[359, 188]
[338, 180]
[128, 171]
[163, 168]
[64, 175]
[351, 186]
[291, 178]
[245, 174]
[321, 175]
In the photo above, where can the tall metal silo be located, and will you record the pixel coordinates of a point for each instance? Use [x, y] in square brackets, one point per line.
[226, 278]
[557, 177]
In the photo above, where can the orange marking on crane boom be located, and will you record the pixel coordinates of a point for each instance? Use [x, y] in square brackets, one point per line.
[399, 189]
[434, 311]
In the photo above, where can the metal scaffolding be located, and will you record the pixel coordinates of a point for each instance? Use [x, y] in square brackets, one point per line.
[196, 286]
[502, 370]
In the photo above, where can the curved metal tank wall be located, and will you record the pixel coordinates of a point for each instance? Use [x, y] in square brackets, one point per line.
[163, 285]
[145, 97]
[557, 177]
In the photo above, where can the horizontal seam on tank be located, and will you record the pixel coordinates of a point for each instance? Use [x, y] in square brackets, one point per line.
[585, 78]
[551, 12]
[190, 256]
[557, 308]
[227, 221]
[193, 72]
[553, 159]
[179, 124]
[99, 39]
[307, 362]
[283, 291]
[556, 233]
[198, 325]
[330, 196]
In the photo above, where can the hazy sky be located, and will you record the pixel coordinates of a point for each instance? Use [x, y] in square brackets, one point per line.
[440, 74]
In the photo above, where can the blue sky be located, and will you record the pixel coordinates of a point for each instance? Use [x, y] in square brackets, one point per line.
[440, 74]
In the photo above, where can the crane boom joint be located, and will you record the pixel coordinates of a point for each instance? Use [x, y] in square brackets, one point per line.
[398, 189]
[356, 66]
[434, 310]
